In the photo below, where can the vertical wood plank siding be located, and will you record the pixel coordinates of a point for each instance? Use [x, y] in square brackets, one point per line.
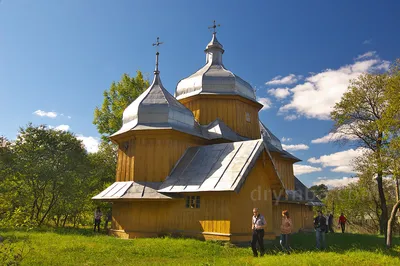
[230, 109]
[151, 157]
[285, 170]
[301, 215]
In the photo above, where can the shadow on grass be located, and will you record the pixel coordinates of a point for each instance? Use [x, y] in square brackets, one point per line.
[57, 230]
[338, 243]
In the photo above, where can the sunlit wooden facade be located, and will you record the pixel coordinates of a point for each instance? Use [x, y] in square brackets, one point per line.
[172, 149]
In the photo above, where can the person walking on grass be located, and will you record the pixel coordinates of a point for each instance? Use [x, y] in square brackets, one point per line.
[97, 219]
[286, 230]
[342, 222]
[320, 229]
[258, 224]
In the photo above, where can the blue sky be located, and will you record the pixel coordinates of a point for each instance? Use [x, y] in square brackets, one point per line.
[57, 58]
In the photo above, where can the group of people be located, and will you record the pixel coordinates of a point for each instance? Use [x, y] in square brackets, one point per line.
[258, 225]
[322, 226]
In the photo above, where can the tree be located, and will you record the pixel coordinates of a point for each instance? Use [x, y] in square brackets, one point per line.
[359, 114]
[319, 190]
[108, 118]
[391, 125]
[359, 201]
[46, 164]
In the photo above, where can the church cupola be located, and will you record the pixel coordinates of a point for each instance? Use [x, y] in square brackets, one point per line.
[156, 108]
[215, 92]
[214, 51]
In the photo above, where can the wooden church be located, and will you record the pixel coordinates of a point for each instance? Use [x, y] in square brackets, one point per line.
[195, 164]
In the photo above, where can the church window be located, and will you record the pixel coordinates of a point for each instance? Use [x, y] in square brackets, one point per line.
[248, 118]
[193, 202]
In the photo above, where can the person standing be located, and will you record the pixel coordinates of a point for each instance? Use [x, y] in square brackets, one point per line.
[286, 230]
[258, 224]
[342, 222]
[97, 219]
[330, 223]
[108, 219]
[320, 228]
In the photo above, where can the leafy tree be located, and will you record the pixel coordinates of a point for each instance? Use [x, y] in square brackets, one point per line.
[359, 202]
[45, 165]
[359, 114]
[391, 125]
[319, 190]
[370, 112]
[108, 118]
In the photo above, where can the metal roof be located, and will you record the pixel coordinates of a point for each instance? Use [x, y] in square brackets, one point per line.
[132, 190]
[219, 130]
[214, 78]
[219, 167]
[274, 144]
[157, 108]
[301, 194]
[269, 137]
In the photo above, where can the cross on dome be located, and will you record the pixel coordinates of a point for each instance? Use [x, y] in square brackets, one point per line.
[214, 27]
[158, 43]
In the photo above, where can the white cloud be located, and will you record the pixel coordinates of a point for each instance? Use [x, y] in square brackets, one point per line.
[367, 41]
[336, 182]
[290, 117]
[385, 65]
[69, 117]
[286, 139]
[44, 113]
[367, 55]
[91, 143]
[340, 161]
[265, 102]
[343, 132]
[279, 80]
[316, 97]
[295, 147]
[332, 137]
[62, 127]
[300, 169]
[279, 93]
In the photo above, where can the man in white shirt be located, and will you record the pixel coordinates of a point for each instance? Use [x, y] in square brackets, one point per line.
[258, 225]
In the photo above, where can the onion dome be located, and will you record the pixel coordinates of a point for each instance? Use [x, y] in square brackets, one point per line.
[156, 108]
[214, 78]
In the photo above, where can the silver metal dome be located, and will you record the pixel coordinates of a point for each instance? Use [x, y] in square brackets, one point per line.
[214, 78]
[156, 108]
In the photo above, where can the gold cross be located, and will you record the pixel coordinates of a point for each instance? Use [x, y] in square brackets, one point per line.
[214, 27]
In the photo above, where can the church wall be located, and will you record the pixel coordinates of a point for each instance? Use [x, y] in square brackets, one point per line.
[230, 109]
[301, 215]
[285, 170]
[151, 155]
[153, 218]
[255, 192]
[222, 215]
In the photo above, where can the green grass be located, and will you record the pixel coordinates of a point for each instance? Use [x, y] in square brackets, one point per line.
[83, 247]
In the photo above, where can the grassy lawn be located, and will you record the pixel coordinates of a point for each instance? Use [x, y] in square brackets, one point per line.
[83, 247]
